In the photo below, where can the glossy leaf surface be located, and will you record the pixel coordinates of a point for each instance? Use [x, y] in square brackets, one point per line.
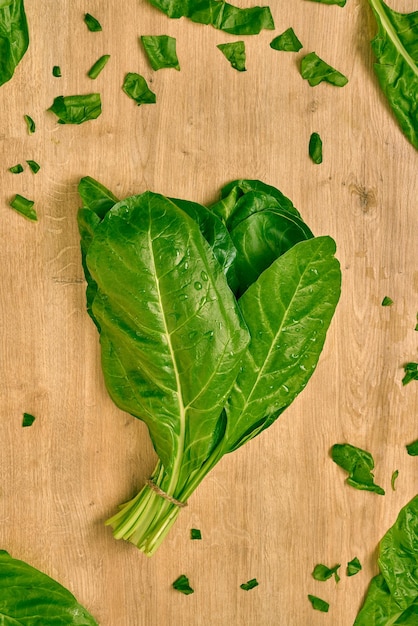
[287, 41]
[135, 86]
[161, 51]
[14, 37]
[359, 465]
[315, 70]
[234, 51]
[76, 109]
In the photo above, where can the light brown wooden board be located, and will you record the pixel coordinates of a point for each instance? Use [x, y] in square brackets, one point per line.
[279, 505]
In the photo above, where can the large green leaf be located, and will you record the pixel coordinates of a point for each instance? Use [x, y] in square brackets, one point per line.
[14, 37]
[396, 49]
[30, 598]
[171, 333]
[287, 311]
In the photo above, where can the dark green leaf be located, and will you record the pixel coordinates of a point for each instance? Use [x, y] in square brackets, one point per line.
[14, 37]
[34, 166]
[411, 372]
[359, 465]
[96, 197]
[161, 51]
[95, 69]
[92, 23]
[27, 420]
[341, 3]
[195, 533]
[182, 584]
[315, 148]
[24, 206]
[315, 70]
[393, 479]
[30, 124]
[353, 567]
[250, 584]
[29, 597]
[287, 41]
[76, 109]
[135, 86]
[56, 71]
[412, 448]
[235, 53]
[387, 301]
[322, 572]
[318, 604]
[396, 48]
[16, 169]
[219, 14]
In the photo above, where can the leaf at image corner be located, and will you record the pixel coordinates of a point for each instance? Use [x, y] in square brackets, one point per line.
[135, 86]
[161, 51]
[287, 41]
[76, 109]
[411, 372]
[235, 53]
[14, 37]
[412, 448]
[359, 465]
[24, 206]
[315, 71]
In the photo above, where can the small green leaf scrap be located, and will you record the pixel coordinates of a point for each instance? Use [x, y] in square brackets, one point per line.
[315, 71]
[340, 3]
[34, 166]
[353, 567]
[235, 53]
[318, 604]
[411, 372]
[412, 448]
[182, 584]
[315, 148]
[16, 169]
[135, 86]
[322, 572]
[359, 465]
[387, 301]
[56, 71]
[24, 206]
[77, 109]
[92, 23]
[161, 51]
[97, 67]
[27, 420]
[195, 533]
[287, 41]
[30, 124]
[416, 325]
[250, 584]
[393, 479]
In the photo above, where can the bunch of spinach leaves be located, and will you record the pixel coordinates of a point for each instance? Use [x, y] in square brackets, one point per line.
[14, 37]
[211, 322]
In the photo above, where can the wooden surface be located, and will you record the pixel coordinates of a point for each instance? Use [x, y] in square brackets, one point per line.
[279, 505]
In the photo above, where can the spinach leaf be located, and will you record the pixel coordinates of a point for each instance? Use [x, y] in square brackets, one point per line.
[219, 14]
[30, 124]
[322, 572]
[359, 465]
[97, 67]
[27, 420]
[353, 567]
[396, 49]
[411, 372]
[287, 41]
[341, 3]
[14, 37]
[412, 448]
[56, 71]
[92, 23]
[30, 597]
[235, 53]
[393, 479]
[250, 584]
[387, 301]
[161, 51]
[392, 597]
[315, 70]
[315, 148]
[135, 86]
[195, 533]
[76, 109]
[318, 604]
[182, 584]
[16, 169]
[34, 166]
[24, 206]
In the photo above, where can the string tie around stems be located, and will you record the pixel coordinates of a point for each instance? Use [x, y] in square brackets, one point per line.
[165, 495]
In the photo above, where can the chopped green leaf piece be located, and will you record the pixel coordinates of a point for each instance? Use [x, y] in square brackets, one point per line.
[235, 53]
[387, 301]
[56, 71]
[14, 37]
[76, 109]
[16, 169]
[315, 70]
[353, 567]
[395, 475]
[322, 572]
[24, 206]
[92, 24]
[340, 3]
[135, 86]
[411, 373]
[27, 420]
[412, 448]
[315, 148]
[95, 70]
[250, 584]
[359, 465]
[318, 604]
[182, 584]
[287, 41]
[30, 124]
[34, 166]
[161, 51]
[220, 14]
[195, 533]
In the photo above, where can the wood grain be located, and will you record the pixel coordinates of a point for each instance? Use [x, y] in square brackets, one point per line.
[278, 506]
